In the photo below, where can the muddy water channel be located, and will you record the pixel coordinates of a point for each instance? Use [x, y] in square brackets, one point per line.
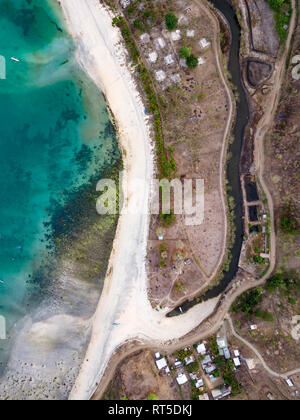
[233, 169]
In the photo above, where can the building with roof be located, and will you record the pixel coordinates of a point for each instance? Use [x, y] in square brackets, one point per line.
[290, 383]
[201, 349]
[221, 393]
[226, 353]
[206, 360]
[157, 355]
[236, 353]
[188, 360]
[199, 383]
[161, 363]
[236, 362]
[204, 397]
[204, 43]
[181, 379]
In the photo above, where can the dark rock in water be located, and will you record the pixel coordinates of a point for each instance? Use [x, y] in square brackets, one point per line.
[258, 72]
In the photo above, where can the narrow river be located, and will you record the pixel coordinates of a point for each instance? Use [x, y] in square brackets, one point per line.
[233, 170]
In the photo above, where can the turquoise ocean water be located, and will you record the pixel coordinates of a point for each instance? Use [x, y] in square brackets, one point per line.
[55, 133]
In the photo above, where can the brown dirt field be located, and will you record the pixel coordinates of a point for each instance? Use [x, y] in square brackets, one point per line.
[195, 114]
[138, 376]
[282, 165]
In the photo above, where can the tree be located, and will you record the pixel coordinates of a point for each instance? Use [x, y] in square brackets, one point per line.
[185, 52]
[171, 21]
[192, 61]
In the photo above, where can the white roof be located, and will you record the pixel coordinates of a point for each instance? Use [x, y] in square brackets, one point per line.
[201, 349]
[181, 379]
[160, 75]
[160, 42]
[157, 355]
[169, 59]
[201, 61]
[236, 353]
[204, 43]
[204, 397]
[199, 383]
[153, 57]
[190, 33]
[289, 382]
[161, 363]
[253, 327]
[176, 35]
[236, 362]
[221, 342]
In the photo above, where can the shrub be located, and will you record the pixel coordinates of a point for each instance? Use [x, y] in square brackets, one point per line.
[152, 397]
[185, 52]
[265, 315]
[171, 21]
[192, 61]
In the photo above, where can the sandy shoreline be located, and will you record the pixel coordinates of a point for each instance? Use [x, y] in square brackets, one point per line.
[124, 301]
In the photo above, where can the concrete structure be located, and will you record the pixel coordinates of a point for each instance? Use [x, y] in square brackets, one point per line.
[161, 363]
[201, 349]
[153, 57]
[176, 35]
[145, 38]
[181, 379]
[157, 355]
[176, 78]
[204, 43]
[204, 397]
[221, 393]
[201, 61]
[199, 383]
[250, 364]
[125, 3]
[190, 33]
[160, 43]
[236, 353]
[236, 362]
[169, 59]
[160, 75]
[188, 360]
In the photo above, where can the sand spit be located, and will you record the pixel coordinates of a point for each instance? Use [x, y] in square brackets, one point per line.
[124, 311]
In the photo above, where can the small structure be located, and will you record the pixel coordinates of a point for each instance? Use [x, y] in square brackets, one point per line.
[153, 57]
[226, 353]
[201, 61]
[265, 256]
[161, 363]
[236, 362]
[253, 327]
[182, 62]
[221, 393]
[206, 360]
[209, 368]
[169, 59]
[160, 75]
[236, 353]
[187, 262]
[204, 43]
[181, 379]
[157, 355]
[188, 360]
[290, 383]
[201, 349]
[199, 383]
[177, 364]
[176, 35]
[250, 364]
[221, 342]
[145, 38]
[190, 33]
[176, 78]
[125, 3]
[160, 43]
[204, 397]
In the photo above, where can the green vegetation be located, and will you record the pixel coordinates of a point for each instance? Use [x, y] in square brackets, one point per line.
[166, 165]
[258, 259]
[192, 61]
[214, 346]
[152, 397]
[185, 52]
[248, 301]
[168, 219]
[171, 21]
[286, 282]
[193, 367]
[182, 354]
[226, 368]
[265, 315]
[282, 9]
[288, 225]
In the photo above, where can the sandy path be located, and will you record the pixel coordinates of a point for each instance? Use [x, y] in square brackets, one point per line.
[124, 299]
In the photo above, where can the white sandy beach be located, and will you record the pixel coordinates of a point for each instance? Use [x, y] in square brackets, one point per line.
[124, 299]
